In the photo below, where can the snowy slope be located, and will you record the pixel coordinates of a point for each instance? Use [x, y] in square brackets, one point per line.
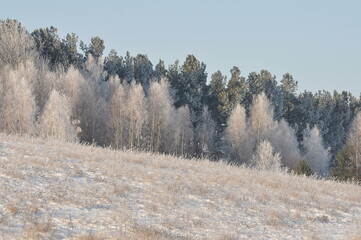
[53, 190]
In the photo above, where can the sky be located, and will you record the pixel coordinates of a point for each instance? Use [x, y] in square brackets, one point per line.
[318, 42]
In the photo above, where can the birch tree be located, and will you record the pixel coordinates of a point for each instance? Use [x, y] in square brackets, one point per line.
[205, 134]
[136, 116]
[317, 157]
[354, 140]
[117, 116]
[265, 158]
[160, 111]
[237, 135]
[261, 117]
[55, 122]
[18, 107]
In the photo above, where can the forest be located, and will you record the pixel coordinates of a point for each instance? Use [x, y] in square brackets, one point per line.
[57, 88]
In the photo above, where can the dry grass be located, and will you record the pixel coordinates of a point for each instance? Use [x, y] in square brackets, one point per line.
[52, 190]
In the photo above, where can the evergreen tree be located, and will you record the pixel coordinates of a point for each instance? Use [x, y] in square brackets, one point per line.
[236, 89]
[191, 88]
[306, 112]
[265, 82]
[70, 54]
[95, 48]
[303, 169]
[113, 64]
[289, 87]
[218, 99]
[339, 122]
[343, 166]
[143, 71]
[160, 71]
[48, 44]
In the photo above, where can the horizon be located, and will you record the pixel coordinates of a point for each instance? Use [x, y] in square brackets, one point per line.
[315, 42]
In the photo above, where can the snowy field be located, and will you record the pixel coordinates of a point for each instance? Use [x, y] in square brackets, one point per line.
[52, 190]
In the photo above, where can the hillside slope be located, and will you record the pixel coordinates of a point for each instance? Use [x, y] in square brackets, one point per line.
[58, 190]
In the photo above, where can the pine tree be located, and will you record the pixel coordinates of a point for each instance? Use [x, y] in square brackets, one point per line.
[344, 167]
[143, 71]
[289, 87]
[218, 99]
[48, 44]
[236, 89]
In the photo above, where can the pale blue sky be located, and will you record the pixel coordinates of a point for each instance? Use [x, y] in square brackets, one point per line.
[318, 42]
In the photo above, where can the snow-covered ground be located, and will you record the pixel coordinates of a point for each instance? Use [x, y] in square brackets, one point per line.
[53, 190]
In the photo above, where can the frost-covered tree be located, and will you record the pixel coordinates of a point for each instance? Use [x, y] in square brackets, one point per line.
[56, 122]
[189, 85]
[70, 84]
[135, 116]
[261, 117]
[283, 139]
[16, 44]
[70, 55]
[95, 48]
[117, 109]
[354, 140]
[143, 71]
[289, 87]
[317, 157]
[17, 112]
[160, 112]
[92, 109]
[183, 132]
[159, 70]
[205, 134]
[113, 64]
[265, 158]
[239, 142]
[265, 82]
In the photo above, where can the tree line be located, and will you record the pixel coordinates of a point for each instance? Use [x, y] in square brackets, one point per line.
[50, 89]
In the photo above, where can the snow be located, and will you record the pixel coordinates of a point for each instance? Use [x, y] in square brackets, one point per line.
[55, 190]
